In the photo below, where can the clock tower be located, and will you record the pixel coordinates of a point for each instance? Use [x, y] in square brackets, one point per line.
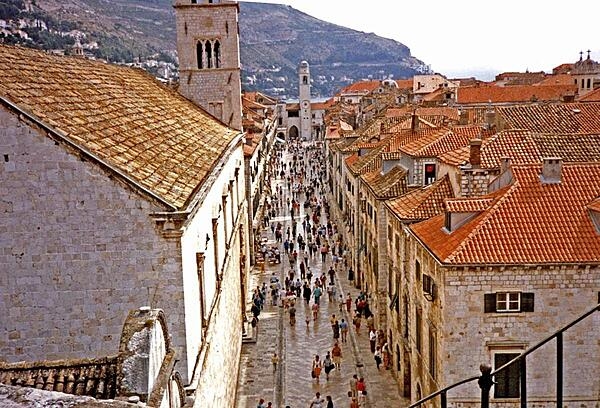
[305, 108]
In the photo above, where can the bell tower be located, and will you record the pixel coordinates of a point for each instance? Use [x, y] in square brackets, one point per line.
[209, 57]
[304, 96]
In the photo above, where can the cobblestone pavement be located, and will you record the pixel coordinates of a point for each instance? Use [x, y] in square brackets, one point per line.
[291, 383]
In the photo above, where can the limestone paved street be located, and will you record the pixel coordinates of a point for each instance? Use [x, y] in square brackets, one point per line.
[291, 383]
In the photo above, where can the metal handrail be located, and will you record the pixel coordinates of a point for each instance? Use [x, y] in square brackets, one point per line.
[485, 380]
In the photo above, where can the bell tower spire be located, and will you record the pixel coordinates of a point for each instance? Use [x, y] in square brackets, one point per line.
[209, 57]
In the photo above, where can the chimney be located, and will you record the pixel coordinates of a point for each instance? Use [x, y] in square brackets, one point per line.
[504, 164]
[463, 118]
[551, 170]
[490, 118]
[475, 153]
[414, 121]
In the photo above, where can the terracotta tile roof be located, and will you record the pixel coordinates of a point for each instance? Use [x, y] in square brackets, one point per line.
[346, 144]
[571, 148]
[514, 94]
[360, 87]
[469, 205]
[370, 161]
[560, 79]
[555, 118]
[399, 139]
[518, 145]
[422, 203]
[259, 97]
[127, 119]
[437, 143]
[389, 185]
[593, 96]
[91, 377]
[405, 83]
[406, 123]
[332, 132]
[528, 223]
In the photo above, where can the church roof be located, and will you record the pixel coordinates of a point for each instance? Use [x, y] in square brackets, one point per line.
[158, 139]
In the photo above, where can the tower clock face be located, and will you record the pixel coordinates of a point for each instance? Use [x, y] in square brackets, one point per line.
[305, 104]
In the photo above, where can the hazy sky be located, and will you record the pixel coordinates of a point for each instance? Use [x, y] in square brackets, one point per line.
[463, 37]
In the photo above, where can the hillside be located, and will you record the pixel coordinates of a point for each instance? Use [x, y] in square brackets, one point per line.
[273, 40]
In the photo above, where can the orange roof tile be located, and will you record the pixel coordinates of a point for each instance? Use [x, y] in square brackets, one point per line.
[368, 162]
[514, 94]
[405, 83]
[445, 140]
[469, 205]
[593, 96]
[561, 118]
[422, 203]
[389, 185]
[560, 79]
[518, 145]
[360, 87]
[528, 223]
[130, 121]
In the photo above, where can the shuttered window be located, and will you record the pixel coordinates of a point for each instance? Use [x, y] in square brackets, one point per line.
[508, 302]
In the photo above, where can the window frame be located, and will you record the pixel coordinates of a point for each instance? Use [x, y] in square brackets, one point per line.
[502, 380]
[507, 299]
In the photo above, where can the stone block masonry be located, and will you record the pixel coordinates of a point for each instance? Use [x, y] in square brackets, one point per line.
[77, 251]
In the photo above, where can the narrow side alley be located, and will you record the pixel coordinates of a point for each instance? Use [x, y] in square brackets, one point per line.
[289, 382]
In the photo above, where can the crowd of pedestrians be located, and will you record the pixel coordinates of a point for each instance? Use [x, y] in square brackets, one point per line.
[308, 234]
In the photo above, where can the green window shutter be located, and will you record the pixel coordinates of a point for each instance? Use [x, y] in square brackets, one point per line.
[489, 302]
[527, 302]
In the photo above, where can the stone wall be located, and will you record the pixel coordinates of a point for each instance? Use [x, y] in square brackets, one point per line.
[464, 336]
[561, 294]
[78, 251]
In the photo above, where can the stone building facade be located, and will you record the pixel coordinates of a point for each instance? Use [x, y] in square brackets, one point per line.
[129, 195]
[472, 292]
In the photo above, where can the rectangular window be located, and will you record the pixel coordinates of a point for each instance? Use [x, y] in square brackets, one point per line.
[418, 270]
[432, 351]
[508, 380]
[418, 334]
[429, 173]
[508, 302]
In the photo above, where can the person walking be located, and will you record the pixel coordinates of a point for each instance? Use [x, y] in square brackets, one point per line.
[361, 387]
[317, 366]
[354, 403]
[274, 361]
[328, 365]
[344, 330]
[353, 386]
[372, 340]
[329, 402]
[336, 355]
[348, 303]
[356, 322]
[318, 401]
[377, 357]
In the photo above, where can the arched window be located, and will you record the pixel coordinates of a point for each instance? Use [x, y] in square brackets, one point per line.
[217, 54]
[199, 53]
[209, 56]
[305, 80]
